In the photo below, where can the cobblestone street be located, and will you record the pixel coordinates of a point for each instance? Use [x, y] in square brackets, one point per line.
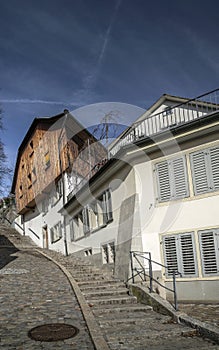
[35, 291]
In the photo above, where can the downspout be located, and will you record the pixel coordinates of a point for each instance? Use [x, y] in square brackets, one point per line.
[63, 186]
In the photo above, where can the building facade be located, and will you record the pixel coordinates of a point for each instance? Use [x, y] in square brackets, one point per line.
[158, 192]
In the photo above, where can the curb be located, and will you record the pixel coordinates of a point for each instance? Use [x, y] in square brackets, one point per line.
[164, 307]
[93, 327]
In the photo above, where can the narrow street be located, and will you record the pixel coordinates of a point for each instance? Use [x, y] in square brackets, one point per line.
[36, 292]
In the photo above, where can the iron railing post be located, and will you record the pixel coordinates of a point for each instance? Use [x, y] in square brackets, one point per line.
[132, 267]
[150, 273]
[174, 289]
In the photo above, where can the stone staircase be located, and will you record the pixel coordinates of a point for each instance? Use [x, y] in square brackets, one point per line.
[125, 323]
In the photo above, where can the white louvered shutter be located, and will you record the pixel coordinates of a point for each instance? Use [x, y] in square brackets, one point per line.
[72, 236]
[108, 205]
[170, 254]
[172, 179]
[179, 253]
[163, 181]
[188, 257]
[200, 169]
[209, 246]
[214, 160]
[85, 216]
[180, 180]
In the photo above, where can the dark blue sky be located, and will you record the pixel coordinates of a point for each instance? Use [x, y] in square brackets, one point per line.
[57, 54]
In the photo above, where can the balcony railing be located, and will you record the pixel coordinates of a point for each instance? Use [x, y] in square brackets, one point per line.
[180, 114]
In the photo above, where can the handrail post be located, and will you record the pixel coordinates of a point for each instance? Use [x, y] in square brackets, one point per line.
[150, 273]
[132, 267]
[175, 294]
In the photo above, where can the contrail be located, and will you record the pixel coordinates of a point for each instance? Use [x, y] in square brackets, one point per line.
[24, 100]
[90, 79]
[108, 32]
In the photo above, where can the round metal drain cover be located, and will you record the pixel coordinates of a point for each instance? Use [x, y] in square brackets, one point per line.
[53, 332]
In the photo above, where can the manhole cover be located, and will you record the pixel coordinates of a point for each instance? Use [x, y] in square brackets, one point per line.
[53, 332]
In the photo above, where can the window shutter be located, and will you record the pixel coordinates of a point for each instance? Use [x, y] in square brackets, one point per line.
[85, 215]
[214, 159]
[52, 235]
[180, 180]
[72, 230]
[209, 245]
[170, 254]
[163, 181]
[172, 179]
[108, 206]
[188, 258]
[179, 253]
[60, 229]
[200, 172]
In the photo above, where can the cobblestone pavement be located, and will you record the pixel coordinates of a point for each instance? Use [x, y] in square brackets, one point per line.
[208, 313]
[35, 291]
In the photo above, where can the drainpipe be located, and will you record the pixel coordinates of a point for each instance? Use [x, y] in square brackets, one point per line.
[63, 184]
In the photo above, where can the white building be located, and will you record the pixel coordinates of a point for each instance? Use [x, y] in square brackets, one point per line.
[157, 193]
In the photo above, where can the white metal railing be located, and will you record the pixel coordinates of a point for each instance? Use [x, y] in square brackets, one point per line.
[180, 114]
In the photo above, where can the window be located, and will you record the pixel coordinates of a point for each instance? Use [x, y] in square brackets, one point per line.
[47, 160]
[209, 247]
[94, 216]
[100, 211]
[56, 232]
[29, 178]
[20, 191]
[34, 178]
[172, 180]
[57, 192]
[31, 148]
[180, 255]
[79, 225]
[108, 253]
[205, 170]
[88, 252]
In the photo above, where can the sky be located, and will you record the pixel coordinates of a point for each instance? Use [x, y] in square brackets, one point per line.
[57, 54]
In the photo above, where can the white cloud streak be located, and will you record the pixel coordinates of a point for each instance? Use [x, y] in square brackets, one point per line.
[108, 32]
[30, 101]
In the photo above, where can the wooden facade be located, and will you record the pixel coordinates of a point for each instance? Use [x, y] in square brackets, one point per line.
[51, 147]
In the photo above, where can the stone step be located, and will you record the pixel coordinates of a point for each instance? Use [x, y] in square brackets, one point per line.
[102, 293]
[112, 301]
[115, 311]
[90, 278]
[126, 322]
[101, 286]
[87, 274]
[91, 282]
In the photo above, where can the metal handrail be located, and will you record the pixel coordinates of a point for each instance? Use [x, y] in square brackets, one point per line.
[142, 272]
[170, 117]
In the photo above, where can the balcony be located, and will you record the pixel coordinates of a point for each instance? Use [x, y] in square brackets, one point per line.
[181, 114]
[178, 115]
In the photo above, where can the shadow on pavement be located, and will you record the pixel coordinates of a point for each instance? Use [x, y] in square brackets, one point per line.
[6, 250]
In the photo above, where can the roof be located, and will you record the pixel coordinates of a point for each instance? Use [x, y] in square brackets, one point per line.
[177, 100]
[72, 125]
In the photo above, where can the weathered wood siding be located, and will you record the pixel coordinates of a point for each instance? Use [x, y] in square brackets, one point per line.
[46, 155]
